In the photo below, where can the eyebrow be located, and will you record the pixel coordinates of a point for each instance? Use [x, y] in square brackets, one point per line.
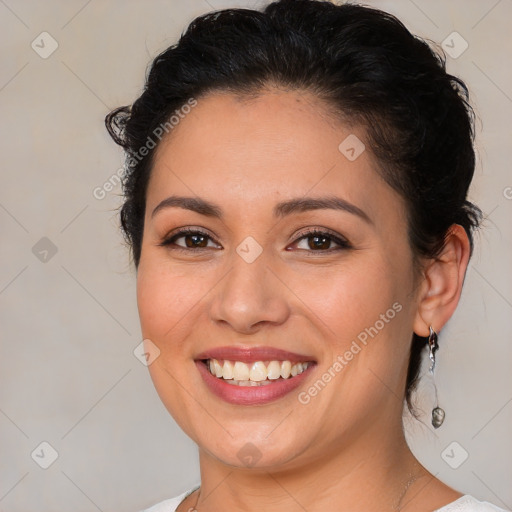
[281, 210]
[194, 204]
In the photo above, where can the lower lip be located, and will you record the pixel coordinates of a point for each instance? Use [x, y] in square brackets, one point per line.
[251, 395]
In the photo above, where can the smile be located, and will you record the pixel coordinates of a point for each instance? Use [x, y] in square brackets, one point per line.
[253, 375]
[257, 373]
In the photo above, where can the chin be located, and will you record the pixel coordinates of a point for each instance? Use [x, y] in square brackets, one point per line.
[253, 452]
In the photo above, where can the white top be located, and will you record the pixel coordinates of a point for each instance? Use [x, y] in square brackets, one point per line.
[465, 503]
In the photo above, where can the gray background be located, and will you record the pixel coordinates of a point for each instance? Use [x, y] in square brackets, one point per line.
[69, 321]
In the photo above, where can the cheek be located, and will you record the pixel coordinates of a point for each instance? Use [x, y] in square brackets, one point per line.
[168, 303]
[361, 309]
[349, 298]
[167, 299]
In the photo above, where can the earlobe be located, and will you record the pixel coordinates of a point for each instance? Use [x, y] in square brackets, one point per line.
[443, 278]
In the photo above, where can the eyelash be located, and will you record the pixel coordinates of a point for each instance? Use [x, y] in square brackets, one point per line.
[342, 243]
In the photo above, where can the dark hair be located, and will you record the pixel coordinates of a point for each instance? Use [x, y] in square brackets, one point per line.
[369, 69]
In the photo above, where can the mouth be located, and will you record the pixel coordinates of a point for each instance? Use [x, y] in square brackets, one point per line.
[252, 376]
[258, 373]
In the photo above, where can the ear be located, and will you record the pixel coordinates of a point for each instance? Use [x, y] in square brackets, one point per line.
[443, 278]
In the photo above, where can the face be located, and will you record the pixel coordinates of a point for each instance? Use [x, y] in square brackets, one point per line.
[265, 243]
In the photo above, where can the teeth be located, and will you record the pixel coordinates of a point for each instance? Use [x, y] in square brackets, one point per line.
[248, 382]
[258, 372]
[227, 370]
[286, 367]
[217, 368]
[255, 374]
[240, 371]
[273, 370]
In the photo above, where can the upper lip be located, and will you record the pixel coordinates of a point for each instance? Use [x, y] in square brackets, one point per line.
[253, 354]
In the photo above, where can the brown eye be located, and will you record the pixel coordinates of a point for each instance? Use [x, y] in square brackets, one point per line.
[195, 240]
[190, 239]
[320, 241]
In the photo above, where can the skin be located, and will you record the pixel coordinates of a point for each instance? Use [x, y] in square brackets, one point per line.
[345, 450]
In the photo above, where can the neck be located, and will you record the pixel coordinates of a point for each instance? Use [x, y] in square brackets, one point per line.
[364, 475]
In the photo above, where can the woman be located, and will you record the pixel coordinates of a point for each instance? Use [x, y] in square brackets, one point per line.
[295, 201]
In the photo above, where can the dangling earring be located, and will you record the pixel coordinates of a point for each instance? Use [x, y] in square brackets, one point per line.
[437, 413]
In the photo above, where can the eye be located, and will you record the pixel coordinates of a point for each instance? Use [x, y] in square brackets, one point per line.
[321, 241]
[189, 239]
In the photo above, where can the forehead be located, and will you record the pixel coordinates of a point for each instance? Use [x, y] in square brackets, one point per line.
[247, 150]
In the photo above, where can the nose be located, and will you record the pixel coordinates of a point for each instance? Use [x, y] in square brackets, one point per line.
[249, 297]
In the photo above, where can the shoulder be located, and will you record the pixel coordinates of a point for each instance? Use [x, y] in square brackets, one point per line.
[171, 504]
[467, 503]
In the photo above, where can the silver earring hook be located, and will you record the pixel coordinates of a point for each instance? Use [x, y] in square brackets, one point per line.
[432, 347]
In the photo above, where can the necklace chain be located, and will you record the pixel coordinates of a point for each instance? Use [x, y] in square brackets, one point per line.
[412, 478]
